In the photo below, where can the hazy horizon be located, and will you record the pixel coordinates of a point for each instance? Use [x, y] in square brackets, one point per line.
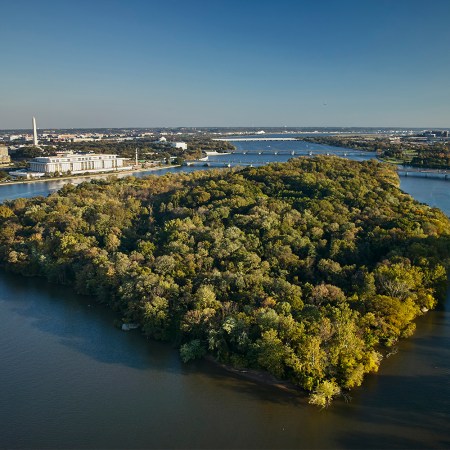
[259, 127]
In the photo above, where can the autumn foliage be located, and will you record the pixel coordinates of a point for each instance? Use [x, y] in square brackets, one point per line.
[308, 269]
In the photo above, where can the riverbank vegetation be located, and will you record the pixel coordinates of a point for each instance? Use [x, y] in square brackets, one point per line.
[310, 270]
[426, 155]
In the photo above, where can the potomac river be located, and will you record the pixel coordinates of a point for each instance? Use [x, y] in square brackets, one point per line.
[69, 379]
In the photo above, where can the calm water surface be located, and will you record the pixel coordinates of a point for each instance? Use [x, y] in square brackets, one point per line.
[69, 379]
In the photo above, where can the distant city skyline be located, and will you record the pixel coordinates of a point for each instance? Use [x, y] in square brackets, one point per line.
[116, 64]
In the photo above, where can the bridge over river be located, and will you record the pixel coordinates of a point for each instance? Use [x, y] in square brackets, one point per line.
[231, 139]
[427, 173]
[297, 153]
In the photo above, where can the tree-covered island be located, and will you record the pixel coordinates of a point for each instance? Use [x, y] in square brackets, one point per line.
[407, 150]
[310, 270]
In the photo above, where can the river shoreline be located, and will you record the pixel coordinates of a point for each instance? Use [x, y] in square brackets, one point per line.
[92, 175]
[257, 376]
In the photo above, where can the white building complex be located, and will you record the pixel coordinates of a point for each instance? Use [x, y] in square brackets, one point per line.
[181, 145]
[73, 163]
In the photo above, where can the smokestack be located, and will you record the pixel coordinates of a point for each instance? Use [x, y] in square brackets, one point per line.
[35, 138]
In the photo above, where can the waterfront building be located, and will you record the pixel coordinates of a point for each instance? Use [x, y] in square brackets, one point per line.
[76, 163]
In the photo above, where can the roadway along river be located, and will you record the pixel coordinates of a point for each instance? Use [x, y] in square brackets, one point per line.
[69, 379]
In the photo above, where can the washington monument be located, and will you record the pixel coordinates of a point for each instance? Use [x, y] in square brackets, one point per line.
[35, 139]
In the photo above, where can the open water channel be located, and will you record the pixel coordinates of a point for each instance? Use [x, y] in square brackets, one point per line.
[69, 379]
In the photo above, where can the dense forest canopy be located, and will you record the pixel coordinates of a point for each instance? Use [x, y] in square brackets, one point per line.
[310, 270]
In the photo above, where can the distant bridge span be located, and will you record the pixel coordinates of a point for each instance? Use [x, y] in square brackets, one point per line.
[300, 153]
[255, 139]
[427, 173]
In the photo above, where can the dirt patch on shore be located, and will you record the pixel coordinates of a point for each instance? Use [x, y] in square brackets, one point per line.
[258, 376]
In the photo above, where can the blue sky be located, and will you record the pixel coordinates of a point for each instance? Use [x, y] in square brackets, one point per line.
[225, 63]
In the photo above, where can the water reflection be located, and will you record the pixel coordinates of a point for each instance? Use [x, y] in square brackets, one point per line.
[65, 356]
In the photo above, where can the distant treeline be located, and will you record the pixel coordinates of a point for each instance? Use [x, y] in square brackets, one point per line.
[435, 158]
[427, 155]
[310, 270]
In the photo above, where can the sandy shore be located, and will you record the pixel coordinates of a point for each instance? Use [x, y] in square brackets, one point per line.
[92, 175]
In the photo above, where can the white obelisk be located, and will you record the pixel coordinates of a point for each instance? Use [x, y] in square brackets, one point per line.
[35, 139]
